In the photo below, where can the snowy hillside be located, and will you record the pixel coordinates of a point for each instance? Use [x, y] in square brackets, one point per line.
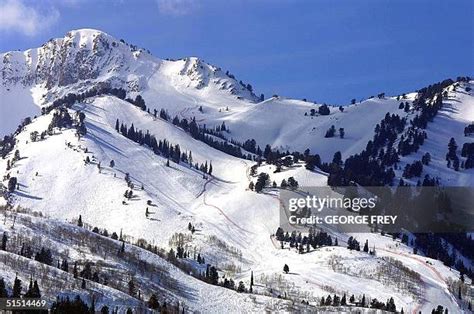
[243, 226]
[78, 245]
[83, 158]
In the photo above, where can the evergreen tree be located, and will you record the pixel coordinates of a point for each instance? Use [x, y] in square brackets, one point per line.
[4, 241]
[330, 132]
[366, 246]
[328, 300]
[251, 186]
[251, 281]
[131, 288]
[29, 292]
[3, 289]
[16, 293]
[74, 271]
[324, 110]
[12, 184]
[391, 305]
[65, 305]
[452, 147]
[341, 132]
[352, 299]
[44, 256]
[286, 269]
[337, 158]
[241, 287]
[64, 266]
[292, 183]
[343, 300]
[426, 159]
[153, 302]
[87, 271]
[79, 221]
[92, 307]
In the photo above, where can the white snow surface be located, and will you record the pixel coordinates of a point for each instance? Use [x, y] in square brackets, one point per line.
[220, 207]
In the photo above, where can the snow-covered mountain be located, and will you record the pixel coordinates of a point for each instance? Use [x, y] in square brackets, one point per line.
[86, 58]
[63, 173]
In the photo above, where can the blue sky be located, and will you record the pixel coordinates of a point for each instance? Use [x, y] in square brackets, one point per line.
[328, 51]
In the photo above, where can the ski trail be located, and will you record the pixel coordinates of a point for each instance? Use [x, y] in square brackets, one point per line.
[432, 269]
[205, 202]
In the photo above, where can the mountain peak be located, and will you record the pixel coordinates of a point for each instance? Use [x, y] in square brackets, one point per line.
[86, 31]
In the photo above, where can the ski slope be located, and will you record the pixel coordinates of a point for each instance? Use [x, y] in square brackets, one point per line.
[222, 208]
[233, 224]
